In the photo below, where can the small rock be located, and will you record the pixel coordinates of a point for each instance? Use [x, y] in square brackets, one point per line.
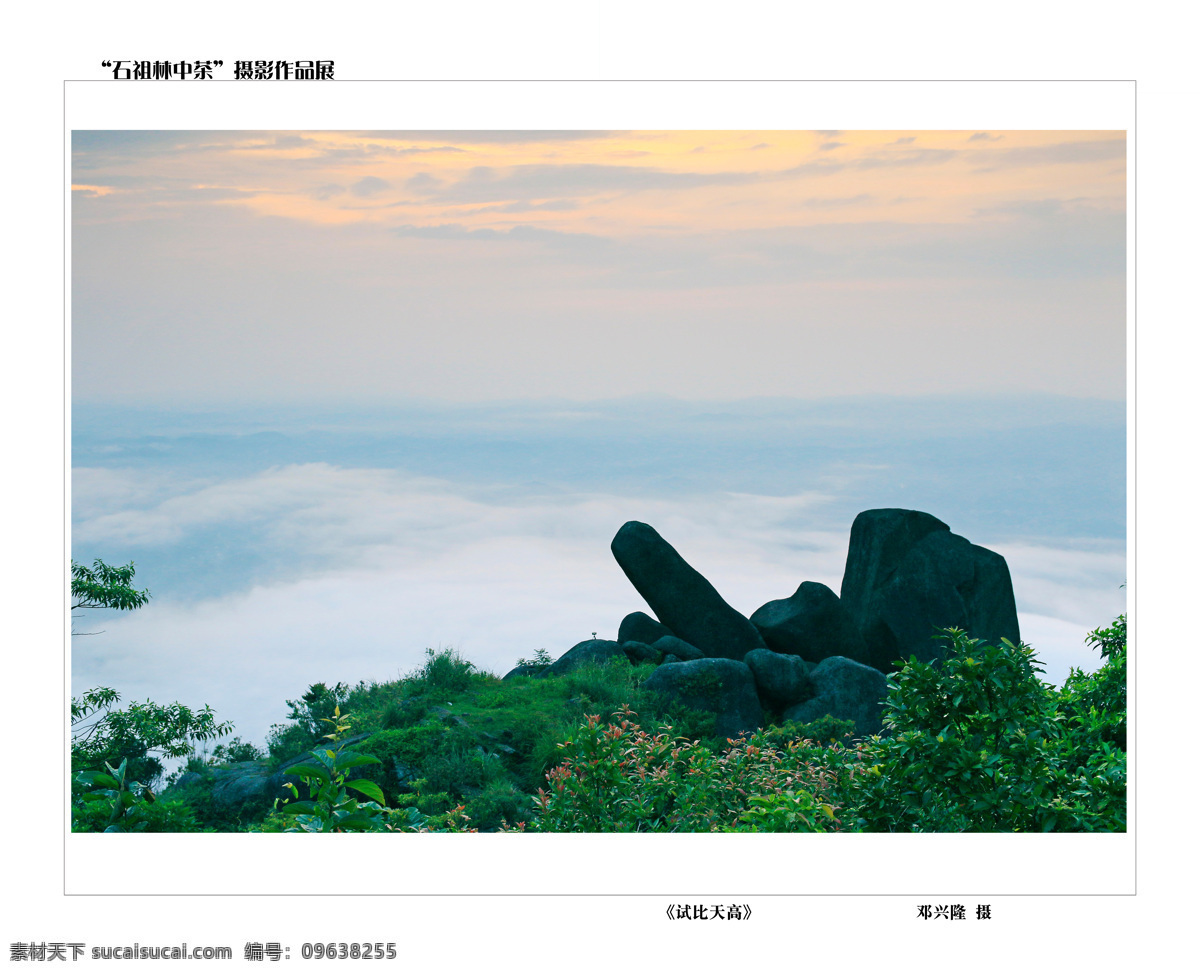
[524, 670]
[845, 689]
[725, 687]
[641, 628]
[781, 679]
[587, 652]
[677, 647]
[811, 623]
[640, 653]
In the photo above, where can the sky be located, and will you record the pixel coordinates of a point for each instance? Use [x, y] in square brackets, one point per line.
[476, 266]
[343, 396]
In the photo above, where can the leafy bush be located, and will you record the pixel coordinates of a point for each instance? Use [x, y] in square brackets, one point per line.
[235, 750]
[621, 778]
[404, 713]
[500, 802]
[979, 745]
[826, 730]
[540, 658]
[287, 741]
[113, 802]
[103, 736]
[402, 753]
[329, 807]
[443, 673]
[1094, 704]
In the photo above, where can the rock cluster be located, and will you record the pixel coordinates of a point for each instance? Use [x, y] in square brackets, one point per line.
[907, 576]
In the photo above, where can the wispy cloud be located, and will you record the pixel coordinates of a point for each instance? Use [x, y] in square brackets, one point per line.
[1062, 153]
[538, 182]
[369, 186]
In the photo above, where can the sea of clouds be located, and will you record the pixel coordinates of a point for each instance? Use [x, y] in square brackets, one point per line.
[288, 548]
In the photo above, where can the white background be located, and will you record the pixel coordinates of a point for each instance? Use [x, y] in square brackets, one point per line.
[531, 40]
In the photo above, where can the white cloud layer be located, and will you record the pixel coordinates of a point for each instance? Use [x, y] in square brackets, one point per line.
[365, 568]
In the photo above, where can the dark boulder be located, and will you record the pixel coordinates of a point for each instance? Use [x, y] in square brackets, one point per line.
[641, 653]
[908, 575]
[587, 652]
[685, 602]
[247, 788]
[524, 670]
[676, 646]
[781, 679]
[811, 623]
[724, 687]
[248, 784]
[642, 628]
[879, 540]
[845, 689]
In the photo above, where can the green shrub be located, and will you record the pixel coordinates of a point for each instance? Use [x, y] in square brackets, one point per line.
[307, 716]
[160, 816]
[288, 741]
[401, 752]
[979, 745]
[113, 802]
[826, 730]
[541, 658]
[621, 778]
[236, 750]
[500, 802]
[404, 713]
[443, 673]
[330, 807]
[1094, 704]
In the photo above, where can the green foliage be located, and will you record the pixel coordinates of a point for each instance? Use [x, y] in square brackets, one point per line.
[1095, 704]
[443, 673]
[978, 744]
[112, 802]
[403, 714]
[500, 801]
[102, 735]
[826, 730]
[287, 740]
[402, 753]
[540, 658]
[235, 750]
[329, 807]
[316, 706]
[104, 586]
[617, 777]
[793, 811]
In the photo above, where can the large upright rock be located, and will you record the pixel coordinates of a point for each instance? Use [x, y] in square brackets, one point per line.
[724, 687]
[879, 540]
[908, 575]
[811, 623]
[681, 597]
